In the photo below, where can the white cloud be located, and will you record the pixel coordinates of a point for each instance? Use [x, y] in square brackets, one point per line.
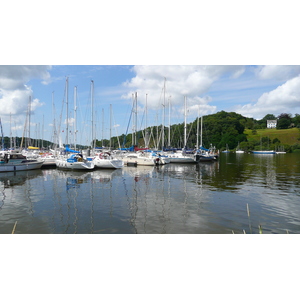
[277, 72]
[284, 99]
[14, 91]
[190, 81]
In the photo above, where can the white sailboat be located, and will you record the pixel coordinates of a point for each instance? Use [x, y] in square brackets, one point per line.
[202, 154]
[238, 150]
[105, 160]
[139, 159]
[75, 160]
[181, 156]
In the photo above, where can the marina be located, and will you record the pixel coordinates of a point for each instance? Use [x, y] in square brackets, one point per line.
[238, 193]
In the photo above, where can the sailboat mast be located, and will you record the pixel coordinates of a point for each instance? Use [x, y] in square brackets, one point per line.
[146, 129]
[10, 139]
[184, 121]
[2, 135]
[92, 100]
[201, 131]
[110, 120]
[102, 125]
[197, 143]
[75, 116]
[135, 139]
[67, 103]
[29, 113]
[169, 134]
[164, 112]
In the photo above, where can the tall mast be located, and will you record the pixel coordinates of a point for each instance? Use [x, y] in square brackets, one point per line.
[29, 113]
[169, 135]
[75, 116]
[2, 135]
[67, 133]
[92, 99]
[197, 143]
[184, 121]
[163, 122]
[110, 128]
[102, 125]
[43, 133]
[135, 139]
[201, 131]
[146, 124]
[10, 139]
[133, 122]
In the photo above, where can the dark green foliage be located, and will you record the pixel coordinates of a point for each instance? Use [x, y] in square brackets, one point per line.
[276, 141]
[224, 128]
[284, 121]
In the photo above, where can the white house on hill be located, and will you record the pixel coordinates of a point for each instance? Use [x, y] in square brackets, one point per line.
[271, 123]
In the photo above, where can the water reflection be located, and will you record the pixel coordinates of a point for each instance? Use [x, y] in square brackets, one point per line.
[173, 198]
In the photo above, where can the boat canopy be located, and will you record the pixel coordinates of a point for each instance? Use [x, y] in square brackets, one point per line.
[70, 150]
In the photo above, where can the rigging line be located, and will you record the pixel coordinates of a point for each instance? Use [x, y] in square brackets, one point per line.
[124, 140]
[61, 112]
[189, 133]
[116, 129]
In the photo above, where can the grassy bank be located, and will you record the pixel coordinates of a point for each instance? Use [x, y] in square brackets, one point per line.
[285, 136]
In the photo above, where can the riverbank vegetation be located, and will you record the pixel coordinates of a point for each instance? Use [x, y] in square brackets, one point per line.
[220, 130]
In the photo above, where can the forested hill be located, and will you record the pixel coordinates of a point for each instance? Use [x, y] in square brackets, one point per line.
[223, 129]
[219, 130]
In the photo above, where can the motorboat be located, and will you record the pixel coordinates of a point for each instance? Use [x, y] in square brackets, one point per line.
[15, 161]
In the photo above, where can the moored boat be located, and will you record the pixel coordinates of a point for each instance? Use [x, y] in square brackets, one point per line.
[105, 160]
[263, 152]
[11, 162]
[74, 162]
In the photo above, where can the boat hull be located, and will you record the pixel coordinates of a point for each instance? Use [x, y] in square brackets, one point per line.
[63, 164]
[264, 152]
[139, 161]
[12, 167]
[108, 163]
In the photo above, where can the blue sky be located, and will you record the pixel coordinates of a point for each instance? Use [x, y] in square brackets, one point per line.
[252, 91]
[220, 59]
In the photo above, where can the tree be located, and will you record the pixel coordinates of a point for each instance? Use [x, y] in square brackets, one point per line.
[284, 121]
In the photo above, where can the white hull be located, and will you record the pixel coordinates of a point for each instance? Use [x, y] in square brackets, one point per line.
[78, 165]
[12, 167]
[138, 160]
[180, 158]
[108, 163]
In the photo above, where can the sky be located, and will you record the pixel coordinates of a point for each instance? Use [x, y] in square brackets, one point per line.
[218, 57]
[161, 90]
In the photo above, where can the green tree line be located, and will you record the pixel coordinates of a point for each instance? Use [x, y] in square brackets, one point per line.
[220, 130]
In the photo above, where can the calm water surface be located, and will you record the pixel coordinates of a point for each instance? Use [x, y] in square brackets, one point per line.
[175, 198]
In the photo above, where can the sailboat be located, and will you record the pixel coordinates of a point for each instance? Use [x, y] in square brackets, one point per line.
[227, 149]
[74, 160]
[202, 154]
[105, 160]
[181, 156]
[238, 150]
[263, 151]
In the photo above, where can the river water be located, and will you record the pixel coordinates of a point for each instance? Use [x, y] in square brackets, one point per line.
[239, 193]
